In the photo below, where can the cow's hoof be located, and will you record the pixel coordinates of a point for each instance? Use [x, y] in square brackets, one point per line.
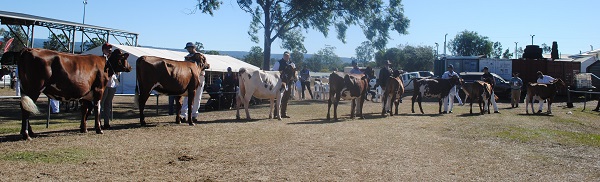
[237, 117]
[285, 116]
[83, 130]
[143, 123]
[99, 132]
[192, 124]
[271, 117]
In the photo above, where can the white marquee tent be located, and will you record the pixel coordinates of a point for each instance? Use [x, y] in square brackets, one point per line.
[218, 63]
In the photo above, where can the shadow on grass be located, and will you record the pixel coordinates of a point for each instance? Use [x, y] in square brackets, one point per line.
[540, 114]
[418, 114]
[218, 121]
[319, 121]
[65, 132]
[469, 114]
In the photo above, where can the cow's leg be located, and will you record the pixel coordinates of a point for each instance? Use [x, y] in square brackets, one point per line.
[383, 105]
[26, 130]
[527, 100]
[143, 97]
[85, 110]
[440, 103]
[361, 101]
[278, 106]
[238, 102]
[335, 106]
[549, 106]
[414, 97]
[96, 112]
[395, 102]
[178, 106]
[420, 107]
[271, 106]
[247, 104]
[329, 106]
[190, 102]
[352, 108]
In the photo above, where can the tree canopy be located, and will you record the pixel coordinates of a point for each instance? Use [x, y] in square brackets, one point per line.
[408, 58]
[277, 18]
[470, 43]
[255, 57]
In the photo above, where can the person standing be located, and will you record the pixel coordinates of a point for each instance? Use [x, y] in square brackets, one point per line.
[193, 57]
[229, 84]
[384, 75]
[449, 100]
[109, 92]
[489, 78]
[305, 82]
[515, 90]
[279, 65]
[545, 79]
[355, 69]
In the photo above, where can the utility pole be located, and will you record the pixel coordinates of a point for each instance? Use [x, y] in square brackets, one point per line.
[516, 57]
[83, 22]
[445, 44]
[436, 50]
[532, 39]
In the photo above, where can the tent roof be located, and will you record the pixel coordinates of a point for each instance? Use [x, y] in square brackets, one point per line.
[218, 63]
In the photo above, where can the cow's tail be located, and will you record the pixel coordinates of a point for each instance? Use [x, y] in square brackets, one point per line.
[29, 105]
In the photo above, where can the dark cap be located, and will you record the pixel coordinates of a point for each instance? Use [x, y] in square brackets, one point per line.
[189, 44]
[450, 66]
[485, 68]
[354, 63]
[106, 46]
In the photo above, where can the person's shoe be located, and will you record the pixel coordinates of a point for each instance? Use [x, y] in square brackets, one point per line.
[449, 111]
[445, 112]
[497, 112]
[106, 127]
[285, 116]
[461, 104]
[194, 120]
[539, 111]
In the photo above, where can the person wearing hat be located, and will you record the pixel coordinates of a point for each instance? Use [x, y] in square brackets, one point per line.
[448, 101]
[355, 69]
[545, 79]
[384, 74]
[279, 65]
[106, 104]
[229, 84]
[305, 82]
[515, 89]
[194, 57]
[489, 78]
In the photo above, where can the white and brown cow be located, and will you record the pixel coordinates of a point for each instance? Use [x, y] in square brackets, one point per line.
[392, 94]
[432, 88]
[479, 91]
[349, 87]
[541, 92]
[263, 85]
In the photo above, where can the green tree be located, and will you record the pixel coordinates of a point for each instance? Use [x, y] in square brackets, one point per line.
[392, 54]
[546, 49]
[497, 50]
[199, 46]
[255, 57]
[507, 54]
[364, 52]
[298, 58]
[469, 43]
[278, 17]
[417, 58]
[212, 52]
[57, 43]
[19, 36]
[314, 64]
[95, 42]
[520, 52]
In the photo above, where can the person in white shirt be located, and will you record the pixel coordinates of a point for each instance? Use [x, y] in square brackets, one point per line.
[278, 66]
[355, 69]
[449, 100]
[545, 79]
[193, 57]
[106, 104]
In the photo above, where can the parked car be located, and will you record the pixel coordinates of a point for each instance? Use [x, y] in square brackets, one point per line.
[502, 88]
[407, 80]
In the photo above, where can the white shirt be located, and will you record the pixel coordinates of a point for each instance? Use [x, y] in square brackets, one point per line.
[448, 75]
[113, 81]
[545, 79]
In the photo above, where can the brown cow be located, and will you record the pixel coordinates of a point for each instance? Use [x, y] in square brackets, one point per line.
[541, 92]
[393, 93]
[432, 88]
[479, 91]
[168, 77]
[65, 77]
[349, 87]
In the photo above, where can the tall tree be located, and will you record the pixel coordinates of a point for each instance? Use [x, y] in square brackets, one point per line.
[212, 52]
[520, 52]
[497, 50]
[364, 52]
[95, 42]
[392, 54]
[255, 57]
[278, 17]
[417, 58]
[199, 46]
[298, 58]
[507, 54]
[57, 43]
[546, 49]
[470, 43]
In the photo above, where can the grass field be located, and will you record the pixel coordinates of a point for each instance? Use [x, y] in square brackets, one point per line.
[510, 146]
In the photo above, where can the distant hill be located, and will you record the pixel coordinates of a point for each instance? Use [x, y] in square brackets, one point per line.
[39, 43]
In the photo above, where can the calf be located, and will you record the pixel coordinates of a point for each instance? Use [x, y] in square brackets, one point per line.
[393, 93]
[541, 92]
[349, 87]
[432, 88]
[264, 85]
[480, 91]
[168, 77]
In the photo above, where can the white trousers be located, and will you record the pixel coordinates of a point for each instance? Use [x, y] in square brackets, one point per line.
[196, 103]
[449, 100]
[493, 100]
[54, 106]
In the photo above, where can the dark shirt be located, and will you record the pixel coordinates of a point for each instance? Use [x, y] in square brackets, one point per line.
[229, 82]
[488, 78]
[305, 75]
[384, 74]
[282, 64]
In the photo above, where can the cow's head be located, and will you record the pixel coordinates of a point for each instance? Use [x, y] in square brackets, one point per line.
[288, 74]
[118, 61]
[201, 62]
[454, 80]
[352, 87]
[559, 82]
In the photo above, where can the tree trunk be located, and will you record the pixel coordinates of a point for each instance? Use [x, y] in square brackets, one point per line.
[267, 55]
[267, 38]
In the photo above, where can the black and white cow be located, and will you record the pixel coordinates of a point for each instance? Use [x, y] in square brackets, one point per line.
[432, 88]
[263, 85]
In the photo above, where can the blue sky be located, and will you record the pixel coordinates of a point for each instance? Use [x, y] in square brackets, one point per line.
[168, 23]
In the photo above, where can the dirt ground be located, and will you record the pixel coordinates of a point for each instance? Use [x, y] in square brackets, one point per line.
[510, 146]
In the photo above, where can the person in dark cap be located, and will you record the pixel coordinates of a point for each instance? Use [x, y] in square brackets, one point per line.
[106, 104]
[229, 84]
[515, 86]
[449, 100]
[489, 78]
[279, 66]
[355, 69]
[194, 57]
